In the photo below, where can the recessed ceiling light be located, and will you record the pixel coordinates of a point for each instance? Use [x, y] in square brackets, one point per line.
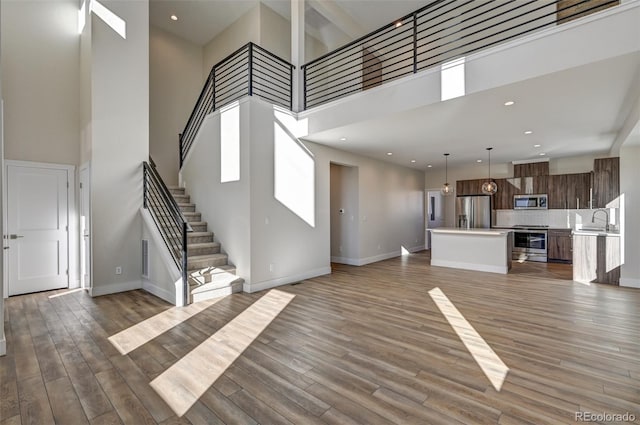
[542, 154]
[478, 160]
[528, 132]
[174, 18]
[429, 166]
[343, 138]
[536, 146]
[389, 153]
[509, 103]
[413, 161]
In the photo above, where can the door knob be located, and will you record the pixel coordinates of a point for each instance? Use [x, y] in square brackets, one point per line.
[15, 236]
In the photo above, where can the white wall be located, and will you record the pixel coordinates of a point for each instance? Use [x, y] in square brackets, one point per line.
[224, 206]
[243, 30]
[40, 47]
[120, 143]
[163, 274]
[629, 187]
[3, 343]
[175, 80]
[270, 244]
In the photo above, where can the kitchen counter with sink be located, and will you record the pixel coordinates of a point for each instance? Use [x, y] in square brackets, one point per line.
[487, 250]
[596, 255]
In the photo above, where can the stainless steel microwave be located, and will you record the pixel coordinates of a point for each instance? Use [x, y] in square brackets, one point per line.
[530, 202]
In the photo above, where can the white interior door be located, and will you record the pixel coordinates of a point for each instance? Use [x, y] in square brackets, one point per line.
[37, 228]
[435, 213]
[85, 228]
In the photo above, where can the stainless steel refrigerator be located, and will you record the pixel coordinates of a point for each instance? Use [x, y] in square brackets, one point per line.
[473, 211]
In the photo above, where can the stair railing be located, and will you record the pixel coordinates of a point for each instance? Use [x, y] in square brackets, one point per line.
[438, 33]
[249, 71]
[169, 220]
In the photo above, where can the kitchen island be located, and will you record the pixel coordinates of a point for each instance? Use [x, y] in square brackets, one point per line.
[485, 250]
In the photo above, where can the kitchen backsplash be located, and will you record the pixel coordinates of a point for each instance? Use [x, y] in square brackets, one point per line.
[552, 218]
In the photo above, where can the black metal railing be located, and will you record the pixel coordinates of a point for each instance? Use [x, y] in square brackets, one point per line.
[168, 218]
[249, 71]
[442, 31]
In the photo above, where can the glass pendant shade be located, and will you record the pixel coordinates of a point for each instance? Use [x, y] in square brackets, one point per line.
[446, 187]
[489, 187]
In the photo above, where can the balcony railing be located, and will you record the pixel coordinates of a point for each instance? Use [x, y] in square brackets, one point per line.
[442, 31]
[249, 71]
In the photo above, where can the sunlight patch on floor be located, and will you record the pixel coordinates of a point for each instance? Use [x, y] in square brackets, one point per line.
[71, 291]
[139, 334]
[185, 381]
[492, 366]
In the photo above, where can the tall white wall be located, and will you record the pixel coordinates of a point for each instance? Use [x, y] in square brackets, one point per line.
[629, 187]
[175, 80]
[40, 47]
[271, 245]
[120, 143]
[3, 343]
[243, 30]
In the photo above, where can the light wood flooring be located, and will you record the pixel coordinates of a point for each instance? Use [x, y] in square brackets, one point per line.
[363, 345]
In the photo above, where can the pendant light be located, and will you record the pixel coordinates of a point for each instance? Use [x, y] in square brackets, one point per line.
[446, 188]
[489, 187]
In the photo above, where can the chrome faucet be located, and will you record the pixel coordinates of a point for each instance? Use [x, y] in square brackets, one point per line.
[593, 217]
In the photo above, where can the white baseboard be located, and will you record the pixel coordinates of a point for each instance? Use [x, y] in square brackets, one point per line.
[3, 347]
[629, 282]
[268, 284]
[373, 259]
[159, 292]
[470, 266]
[113, 288]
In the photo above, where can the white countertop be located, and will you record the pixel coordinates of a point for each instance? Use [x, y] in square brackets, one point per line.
[595, 233]
[471, 232]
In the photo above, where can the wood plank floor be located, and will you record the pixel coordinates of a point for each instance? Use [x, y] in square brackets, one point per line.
[364, 345]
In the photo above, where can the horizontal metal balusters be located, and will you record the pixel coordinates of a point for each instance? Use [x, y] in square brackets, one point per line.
[437, 33]
[168, 218]
[250, 70]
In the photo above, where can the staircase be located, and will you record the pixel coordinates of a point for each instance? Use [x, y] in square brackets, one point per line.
[209, 273]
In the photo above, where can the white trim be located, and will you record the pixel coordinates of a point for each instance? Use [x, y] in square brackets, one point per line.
[113, 288]
[374, 259]
[470, 266]
[73, 252]
[629, 282]
[3, 344]
[85, 166]
[159, 292]
[268, 284]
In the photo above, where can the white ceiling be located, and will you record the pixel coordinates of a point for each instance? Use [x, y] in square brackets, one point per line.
[199, 21]
[572, 112]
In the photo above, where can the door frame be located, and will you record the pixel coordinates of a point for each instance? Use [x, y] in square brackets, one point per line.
[73, 279]
[83, 284]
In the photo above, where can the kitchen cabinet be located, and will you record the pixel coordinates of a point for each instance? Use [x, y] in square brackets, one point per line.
[596, 258]
[559, 246]
[531, 169]
[606, 181]
[469, 187]
[503, 198]
[569, 191]
[578, 190]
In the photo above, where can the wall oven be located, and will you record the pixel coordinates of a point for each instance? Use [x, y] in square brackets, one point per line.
[530, 245]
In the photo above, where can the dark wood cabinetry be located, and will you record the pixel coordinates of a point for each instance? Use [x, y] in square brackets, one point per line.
[531, 169]
[606, 181]
[569, 191]
[559, 246]
[503, 198]
[469, 187]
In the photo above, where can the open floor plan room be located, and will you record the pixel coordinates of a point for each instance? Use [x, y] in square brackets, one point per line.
[397, 341]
